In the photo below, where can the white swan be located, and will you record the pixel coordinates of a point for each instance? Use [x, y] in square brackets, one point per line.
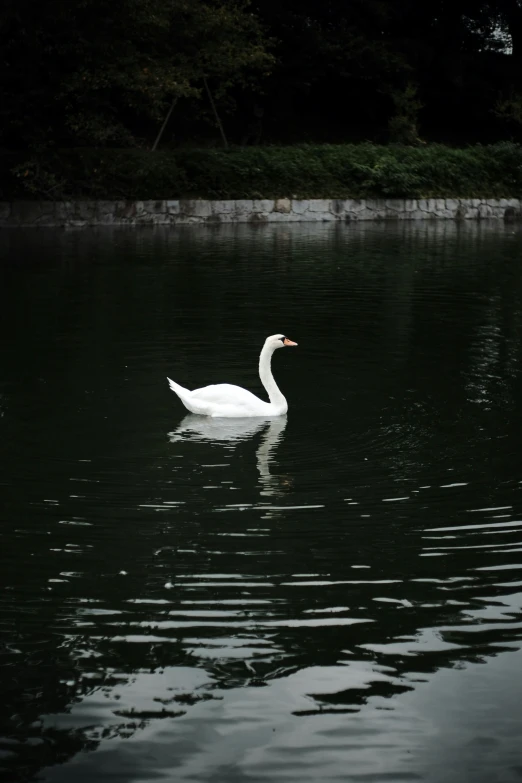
[228, 401]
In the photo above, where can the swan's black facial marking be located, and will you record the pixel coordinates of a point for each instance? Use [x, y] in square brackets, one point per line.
[283, 338]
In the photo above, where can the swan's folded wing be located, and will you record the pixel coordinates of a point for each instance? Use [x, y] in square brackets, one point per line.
[224, 394]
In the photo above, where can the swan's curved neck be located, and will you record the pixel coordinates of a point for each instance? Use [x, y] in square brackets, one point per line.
[267, 379]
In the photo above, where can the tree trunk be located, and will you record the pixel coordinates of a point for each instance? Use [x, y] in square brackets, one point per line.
[165, 121]
[216, 115]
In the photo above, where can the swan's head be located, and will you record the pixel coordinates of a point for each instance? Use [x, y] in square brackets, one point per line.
[278, 341]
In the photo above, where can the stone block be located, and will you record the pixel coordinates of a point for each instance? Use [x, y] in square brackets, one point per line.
[452, 205]
[228, 217]
[225, 207]
[355, 205]
[283, 205]
[203, 209]
[38, 213]
[243, 206]
[319, 205]
[263, 205]
[105, 213]
[172, 207]
[147, 207]
[395, 204]
[145, 218]
[300, 206]
[46, 219]
[196, 208]
[125, 211]
[338, 207]
[187, 207]
[276, 217]
[214, 218]
[512, 213]
[85, 211]
[258, 217]
[352, 214]
[24, 212]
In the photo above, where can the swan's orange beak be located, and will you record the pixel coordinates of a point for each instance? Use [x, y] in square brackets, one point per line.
[286, 341]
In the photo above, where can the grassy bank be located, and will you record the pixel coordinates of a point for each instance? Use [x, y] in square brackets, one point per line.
[306, 171]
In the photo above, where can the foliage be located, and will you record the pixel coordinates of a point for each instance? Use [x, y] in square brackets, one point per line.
[403, 124]
[510, 107]
[92, 72]
[306, 171]
[96, 74]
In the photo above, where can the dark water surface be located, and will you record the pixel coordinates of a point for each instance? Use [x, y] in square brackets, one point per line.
[333, 595]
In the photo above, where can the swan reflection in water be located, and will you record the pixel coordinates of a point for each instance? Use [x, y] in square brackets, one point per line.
[230, 433]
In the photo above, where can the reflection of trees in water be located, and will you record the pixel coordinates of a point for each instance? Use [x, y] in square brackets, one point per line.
[46, 679]
[415, 605]
[427, 611]
[39, 677]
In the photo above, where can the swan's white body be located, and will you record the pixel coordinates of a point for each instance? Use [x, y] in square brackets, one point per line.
[228, 401]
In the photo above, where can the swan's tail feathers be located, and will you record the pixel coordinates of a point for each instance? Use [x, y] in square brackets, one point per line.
[194, 406]
[179, 390]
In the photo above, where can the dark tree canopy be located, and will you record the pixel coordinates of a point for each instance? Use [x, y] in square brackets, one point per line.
[91, 73]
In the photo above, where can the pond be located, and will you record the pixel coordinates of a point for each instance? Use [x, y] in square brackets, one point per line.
[334, 594]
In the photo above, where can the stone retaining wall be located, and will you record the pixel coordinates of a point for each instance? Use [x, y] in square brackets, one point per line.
[186, 211]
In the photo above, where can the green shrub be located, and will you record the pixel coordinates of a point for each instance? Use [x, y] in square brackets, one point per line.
[304, 171]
